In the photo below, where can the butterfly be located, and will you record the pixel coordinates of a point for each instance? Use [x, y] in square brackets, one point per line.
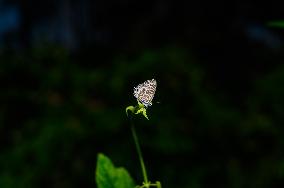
[145, 92]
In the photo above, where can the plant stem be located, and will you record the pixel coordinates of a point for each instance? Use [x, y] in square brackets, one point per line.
[139, 153]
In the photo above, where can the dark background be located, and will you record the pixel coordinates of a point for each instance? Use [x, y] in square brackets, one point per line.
[67, 72]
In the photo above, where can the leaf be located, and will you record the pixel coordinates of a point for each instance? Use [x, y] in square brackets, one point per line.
[143, 111]
[109, 176]
[137, 110]
[131, 108]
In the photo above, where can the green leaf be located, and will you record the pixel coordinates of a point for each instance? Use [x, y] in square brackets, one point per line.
[109, 176]
[138, 109]
[131, 108]
[143, 111]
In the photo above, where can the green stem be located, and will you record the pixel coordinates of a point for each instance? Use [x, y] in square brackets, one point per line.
[139, 153]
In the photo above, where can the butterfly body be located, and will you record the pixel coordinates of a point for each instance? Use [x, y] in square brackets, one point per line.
[145, 92]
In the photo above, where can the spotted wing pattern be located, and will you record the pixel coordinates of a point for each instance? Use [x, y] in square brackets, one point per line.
[145, 92]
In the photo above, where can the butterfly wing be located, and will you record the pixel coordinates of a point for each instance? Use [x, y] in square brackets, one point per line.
[145, 92]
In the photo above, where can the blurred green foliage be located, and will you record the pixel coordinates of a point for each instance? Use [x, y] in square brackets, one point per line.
[58, 110]
[279, 24]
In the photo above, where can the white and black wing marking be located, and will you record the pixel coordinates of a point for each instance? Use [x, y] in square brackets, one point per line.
[145, 92]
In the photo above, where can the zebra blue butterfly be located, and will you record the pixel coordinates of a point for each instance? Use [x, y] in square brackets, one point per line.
[145, 92]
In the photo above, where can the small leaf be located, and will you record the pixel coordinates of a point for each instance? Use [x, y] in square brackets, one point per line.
[131, 108]
[140, 108]
[108, 176]
[143, 111]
